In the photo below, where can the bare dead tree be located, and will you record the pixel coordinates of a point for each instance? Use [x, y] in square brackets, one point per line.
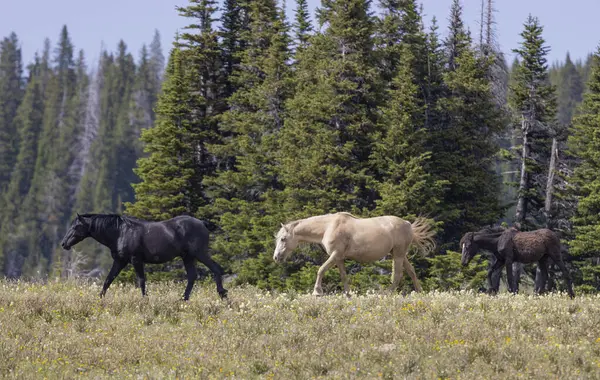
[550, 182]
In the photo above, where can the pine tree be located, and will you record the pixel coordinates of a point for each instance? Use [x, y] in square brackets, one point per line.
[569, 92]
[584, 146]
[463, 138]
[234, 27]
[156, 62]
[326, 141]
[250, 127]
[173, 172]
[165, 172]
[28, 122]
[459, 38]
[47, 203]
[404, 184]
[11, 94]
[532, 97]
[302, 25]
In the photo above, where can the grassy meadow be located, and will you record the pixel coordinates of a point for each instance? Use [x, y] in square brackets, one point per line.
[63, 330]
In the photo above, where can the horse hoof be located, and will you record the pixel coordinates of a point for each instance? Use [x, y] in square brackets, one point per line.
[317, 294]
[223, 294]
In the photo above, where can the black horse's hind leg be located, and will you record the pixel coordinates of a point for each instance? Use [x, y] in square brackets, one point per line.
[517, 270]
[217, 272]
[138, 266]
[116, 268]
[541, 275]
[192, 274]
[566, 275]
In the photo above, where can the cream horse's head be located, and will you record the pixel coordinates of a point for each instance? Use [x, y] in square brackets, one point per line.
[285, 243]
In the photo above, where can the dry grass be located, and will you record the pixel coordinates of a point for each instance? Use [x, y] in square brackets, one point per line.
[63, 330]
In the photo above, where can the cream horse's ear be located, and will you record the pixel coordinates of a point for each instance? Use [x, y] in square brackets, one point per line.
[283, 226]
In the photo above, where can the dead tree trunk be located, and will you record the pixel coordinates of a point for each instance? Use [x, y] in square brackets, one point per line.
[550, 182]
[522, 195]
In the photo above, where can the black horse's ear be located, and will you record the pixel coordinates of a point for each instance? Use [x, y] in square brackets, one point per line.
[79, 217]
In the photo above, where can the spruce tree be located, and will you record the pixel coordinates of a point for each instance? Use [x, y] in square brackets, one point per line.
[241, 188]
[532, 97]
[11, 94]
[569, 91]
[234, 27]
[463, 138]
[47, 204]
[327, 137]
[400, 154]
[302, 25]
[28, 122]
[166, 171]
[459, 38]
[584, 146]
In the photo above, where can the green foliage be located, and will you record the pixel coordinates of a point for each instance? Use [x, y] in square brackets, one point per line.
[570, 89]
[28, 122]
[447, 273]
[167, 169]
[11, 94]
[584, 145]
[302, 25]
[399, 157]
[463, 139]
[244, 183]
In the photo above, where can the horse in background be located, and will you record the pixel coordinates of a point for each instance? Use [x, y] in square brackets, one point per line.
[511, 246]
[345, 236]
[137, 241]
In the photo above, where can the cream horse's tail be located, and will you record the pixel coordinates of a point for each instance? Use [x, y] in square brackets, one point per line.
[423, 235]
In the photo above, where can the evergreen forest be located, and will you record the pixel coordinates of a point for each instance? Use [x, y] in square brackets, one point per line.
[258, 116]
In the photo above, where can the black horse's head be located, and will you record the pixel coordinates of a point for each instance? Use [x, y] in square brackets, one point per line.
[469, 247]
[78, 231]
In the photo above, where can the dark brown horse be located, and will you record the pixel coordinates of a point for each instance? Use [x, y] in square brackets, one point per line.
[511, 246]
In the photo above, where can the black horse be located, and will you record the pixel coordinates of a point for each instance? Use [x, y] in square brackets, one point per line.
[511, 246]
[137, 241]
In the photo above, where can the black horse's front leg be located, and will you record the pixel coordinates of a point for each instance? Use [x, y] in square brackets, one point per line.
[192, 274]
[506, 251]
[138, 266]
[116, 268]
[541, 275]
[510, 277]
[494, 276]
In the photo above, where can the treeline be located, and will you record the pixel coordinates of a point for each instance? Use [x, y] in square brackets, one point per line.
[263, 120]
[69, 139]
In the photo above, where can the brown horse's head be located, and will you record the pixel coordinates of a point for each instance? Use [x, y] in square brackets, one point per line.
[469, 247]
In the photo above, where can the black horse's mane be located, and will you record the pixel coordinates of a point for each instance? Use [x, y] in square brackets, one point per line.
[495, 230]
[491, 230]
[106, 221]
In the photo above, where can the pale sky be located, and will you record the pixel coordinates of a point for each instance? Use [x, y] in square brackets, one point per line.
[568, 25]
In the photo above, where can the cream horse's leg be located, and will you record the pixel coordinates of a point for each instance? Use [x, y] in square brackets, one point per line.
[397, 272]
[318, 291]
[343, 276]
[412, 274]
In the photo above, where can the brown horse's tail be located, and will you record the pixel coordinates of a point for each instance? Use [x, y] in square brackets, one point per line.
[423, 234]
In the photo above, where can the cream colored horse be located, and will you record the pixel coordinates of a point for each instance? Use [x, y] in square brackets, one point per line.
[345, 236]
